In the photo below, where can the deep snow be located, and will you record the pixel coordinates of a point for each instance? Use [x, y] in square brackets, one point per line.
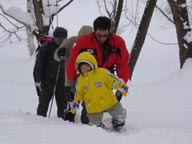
[159, 103]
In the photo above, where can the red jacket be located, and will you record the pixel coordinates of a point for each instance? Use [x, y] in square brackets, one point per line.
[115, 53]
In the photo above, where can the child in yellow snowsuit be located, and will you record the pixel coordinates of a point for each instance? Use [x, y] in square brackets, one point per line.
[94, 87]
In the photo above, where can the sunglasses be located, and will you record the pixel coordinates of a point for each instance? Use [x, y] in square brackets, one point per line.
[100, 36]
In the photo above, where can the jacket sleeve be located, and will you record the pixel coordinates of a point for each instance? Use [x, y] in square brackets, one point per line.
[39, 64]
[68, 45]
[70, 67]
[123, 69]
[112, 81]
[79, 92]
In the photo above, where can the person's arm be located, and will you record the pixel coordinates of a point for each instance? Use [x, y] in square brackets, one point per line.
[113, 82]
[39, 63]
[70, 67]
[123, 69]
[38, 68]
[71, 74]
[78, 98]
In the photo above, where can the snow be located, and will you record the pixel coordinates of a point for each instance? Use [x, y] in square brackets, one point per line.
[159, 103]
[188, 37]
[21, 15]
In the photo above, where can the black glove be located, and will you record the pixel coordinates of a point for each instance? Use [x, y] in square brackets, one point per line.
[119, 95]
[70, 93]
[38, 88]
[61, 52]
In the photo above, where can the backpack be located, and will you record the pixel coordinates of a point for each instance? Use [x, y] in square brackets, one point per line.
[43, 40]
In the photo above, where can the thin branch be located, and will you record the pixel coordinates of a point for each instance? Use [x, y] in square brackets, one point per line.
[98, 4]
[9, 21]
[107, 11]
[165, 14]
[62, 7]
[10, 32]
[4, 12]
[136, 11]
[162, 43]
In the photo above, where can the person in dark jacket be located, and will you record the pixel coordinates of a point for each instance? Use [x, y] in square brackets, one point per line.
[46, 70]
[109, 50]
[67, 45]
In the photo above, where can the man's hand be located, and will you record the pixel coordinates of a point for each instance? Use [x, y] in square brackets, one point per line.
[38, 85]
[61, 52]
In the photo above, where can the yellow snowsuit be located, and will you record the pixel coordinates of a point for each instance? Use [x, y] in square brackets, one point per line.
[95, 87]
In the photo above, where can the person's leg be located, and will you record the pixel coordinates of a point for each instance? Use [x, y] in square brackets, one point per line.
[102, 119]
[107, 121]
[84, 118]
[44, 98]
[60, 97]
[95, 118]
[68, 116]
[118, 116]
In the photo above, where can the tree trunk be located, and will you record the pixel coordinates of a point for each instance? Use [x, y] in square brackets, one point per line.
[30, 36]
[115, 13]
[141, 34]
[30, 42]
[35, 9]
[180, 16]
[118, 14]
[38, 10]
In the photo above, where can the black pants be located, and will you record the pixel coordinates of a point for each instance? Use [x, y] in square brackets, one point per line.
[84, 118]
[70, 97]
[46, 95]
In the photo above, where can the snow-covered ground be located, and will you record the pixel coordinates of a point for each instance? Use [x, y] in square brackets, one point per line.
[159, 103]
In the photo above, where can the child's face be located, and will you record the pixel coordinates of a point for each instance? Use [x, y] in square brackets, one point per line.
[85, 68]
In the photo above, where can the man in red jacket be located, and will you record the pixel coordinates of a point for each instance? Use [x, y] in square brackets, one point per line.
[109, 50]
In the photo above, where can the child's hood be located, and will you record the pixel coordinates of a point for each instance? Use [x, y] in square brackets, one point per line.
[87, 58]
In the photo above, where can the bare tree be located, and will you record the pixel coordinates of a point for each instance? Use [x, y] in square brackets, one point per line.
[10, 32]
[113, 8]
[30, 37]
[40, 21]
[141, 34]
[184, 32]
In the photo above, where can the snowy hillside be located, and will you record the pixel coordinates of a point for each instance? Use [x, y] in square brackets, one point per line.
[159, 103]
[158, 112]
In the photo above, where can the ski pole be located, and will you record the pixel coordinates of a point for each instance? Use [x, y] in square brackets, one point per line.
[55, 85]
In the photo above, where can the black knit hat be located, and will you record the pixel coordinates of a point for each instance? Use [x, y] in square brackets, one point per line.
[60, 32]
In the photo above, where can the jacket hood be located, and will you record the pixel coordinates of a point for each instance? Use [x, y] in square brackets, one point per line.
[86, 29]
[86, 57]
